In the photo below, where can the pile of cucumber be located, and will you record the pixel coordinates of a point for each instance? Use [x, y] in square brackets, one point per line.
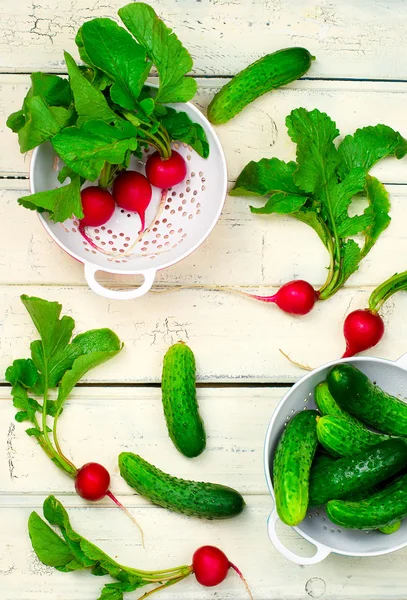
[330, 457]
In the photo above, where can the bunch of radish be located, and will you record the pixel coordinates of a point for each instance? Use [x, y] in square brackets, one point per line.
[131, 191]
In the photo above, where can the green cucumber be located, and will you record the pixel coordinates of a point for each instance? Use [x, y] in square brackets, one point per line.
[268, 73]
[292, 464]
[199, 499]
[351, 474]
[355, 393]
[381, 510]
[345, 438]
[327, 405]
[322, 460]
[184, 423]
[388, 529]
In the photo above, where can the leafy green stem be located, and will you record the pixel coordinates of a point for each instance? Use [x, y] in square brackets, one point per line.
[331, 271]
[167, 584]
[72, 470]
[158, 142]
[395, 283]
[105, 175]
[154, 576]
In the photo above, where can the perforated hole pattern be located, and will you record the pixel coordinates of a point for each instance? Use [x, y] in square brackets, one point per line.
[162, 233]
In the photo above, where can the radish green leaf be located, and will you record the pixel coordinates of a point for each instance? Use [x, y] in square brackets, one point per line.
[162, 46]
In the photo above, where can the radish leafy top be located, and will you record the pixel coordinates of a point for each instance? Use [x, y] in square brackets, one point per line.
[56, 362]
[70, 552]
[318, 189]
[104, 112]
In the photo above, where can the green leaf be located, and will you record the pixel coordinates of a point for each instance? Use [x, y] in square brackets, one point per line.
[61, 203]
[317, 157]
[169, 56]
[313, 219]
[22, 370]
[378, 209]
[147, 105]
[111, 49]
[33, 431]
[351, 256]
[97, 340]
[181, 128]
[90, 103]
[115, 591]
[48, 546]
[42, 122]
[86, 149]
[54, 90]
[22, 416]
[281, 203]
[91, 349]
[368, 145]
[55, 332]
[354, 225]
[266, 176]
[64, 173]
[16, 121]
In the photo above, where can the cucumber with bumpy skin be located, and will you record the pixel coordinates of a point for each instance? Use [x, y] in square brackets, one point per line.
[184, 423]
[292, 464]
[266, 74]
[327, 405]
[200, 499]
[358, 472]
[345, 438]
[377, 512]
[355, 393]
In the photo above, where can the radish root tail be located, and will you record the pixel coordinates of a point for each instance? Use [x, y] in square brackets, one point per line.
[294, 362]
[128, 513]
[234, 567]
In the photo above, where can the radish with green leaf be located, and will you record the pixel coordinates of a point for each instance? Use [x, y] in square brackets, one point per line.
[364, 328]
[70, 552]
[105, 113]
[319, 188]
[57, 363]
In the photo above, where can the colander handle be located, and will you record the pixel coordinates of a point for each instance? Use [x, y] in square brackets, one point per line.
[91, 270]
[321, 553]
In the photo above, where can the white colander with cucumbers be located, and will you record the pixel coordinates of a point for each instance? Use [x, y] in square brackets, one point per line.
[316, 527]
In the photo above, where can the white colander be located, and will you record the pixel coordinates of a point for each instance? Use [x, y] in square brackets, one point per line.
[316, 527]
[177, 220]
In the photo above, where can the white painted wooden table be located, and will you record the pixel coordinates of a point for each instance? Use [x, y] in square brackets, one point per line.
[359, 78]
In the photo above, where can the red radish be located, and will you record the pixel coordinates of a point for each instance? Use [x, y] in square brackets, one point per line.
[92, 481]
[210, 566]
[132, 191]
[98, 206]
[295, 297]
[165, 173]
[362, 329]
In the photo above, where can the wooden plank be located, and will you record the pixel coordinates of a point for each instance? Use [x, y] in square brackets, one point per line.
[259, 131]
[98, 424]
[234, 339]
[223, 36]
[171, 540]
[256, 243]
